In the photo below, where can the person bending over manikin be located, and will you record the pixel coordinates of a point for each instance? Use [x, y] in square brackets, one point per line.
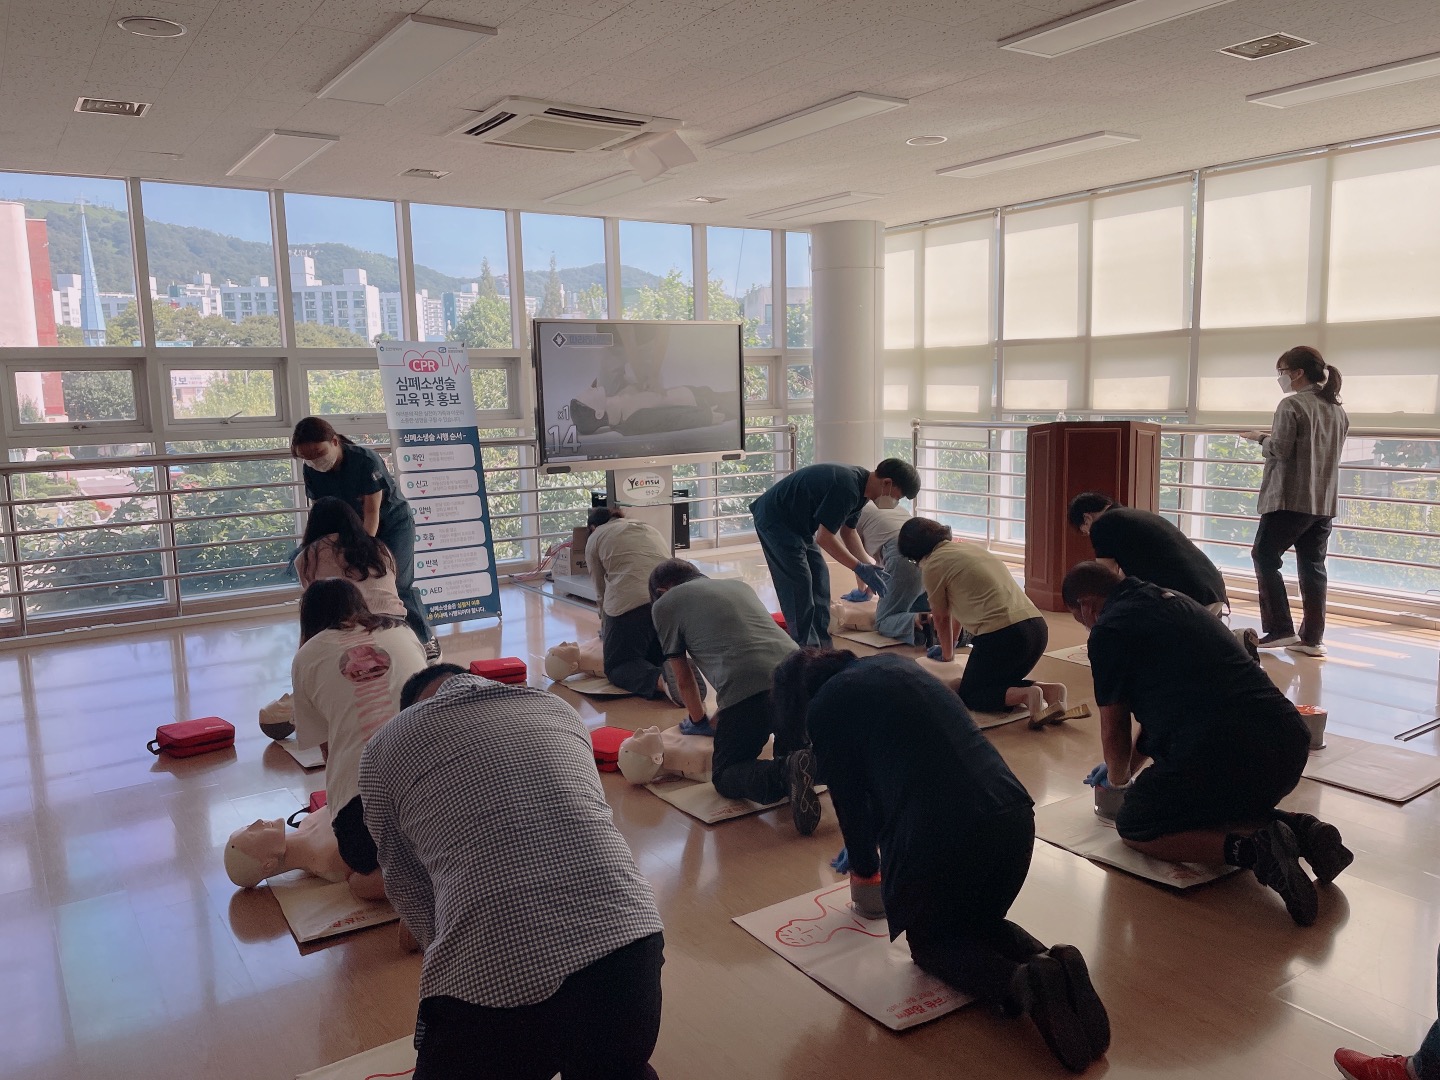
[723, 627]
[632, 411]
[653, 756]
[263, 849]
[896, 612]
[972, 589]
[1225, 745]
[347, 678]
[939, 835]
[542, 944]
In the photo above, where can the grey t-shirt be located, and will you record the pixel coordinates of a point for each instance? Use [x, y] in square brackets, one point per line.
[621, 554]
[726, 630]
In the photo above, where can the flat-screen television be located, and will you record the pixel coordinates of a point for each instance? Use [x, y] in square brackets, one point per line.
[626, 392]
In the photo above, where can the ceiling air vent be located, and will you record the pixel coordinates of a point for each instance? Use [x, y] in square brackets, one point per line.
[112, 108]
[426, 174]
[564, 129]
[1261, 47]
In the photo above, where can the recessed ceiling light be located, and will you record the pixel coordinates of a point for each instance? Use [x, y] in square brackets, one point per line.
[926, 140]
[151, 27]
[414, 49]
[1103, 23]
[810, 207]
[1351, 82]
[707, 198]
[1097, 140]
[281, 153]
[427, 174]
[827, 114]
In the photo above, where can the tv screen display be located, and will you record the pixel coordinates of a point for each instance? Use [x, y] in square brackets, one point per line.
[618, 390]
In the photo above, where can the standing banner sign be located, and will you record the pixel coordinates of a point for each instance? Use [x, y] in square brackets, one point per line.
[430, 407]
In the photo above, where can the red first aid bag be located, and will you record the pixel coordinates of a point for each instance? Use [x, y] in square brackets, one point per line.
[606, 741]
[505, 669]
[190, 737]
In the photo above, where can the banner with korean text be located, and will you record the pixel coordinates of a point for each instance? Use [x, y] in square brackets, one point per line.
[430, 408]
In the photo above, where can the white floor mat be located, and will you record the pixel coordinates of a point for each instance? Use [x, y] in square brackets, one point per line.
[852, 957]
[1076, 654]
[593, 686]
[395, 1059]
[703, 802]
[873, 638]
[318, 909]
[1391, 773]
[306, 759]
[949, 674]
[1072, 824]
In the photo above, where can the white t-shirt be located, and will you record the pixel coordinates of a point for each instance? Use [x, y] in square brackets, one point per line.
[877, 526]
[346, 684]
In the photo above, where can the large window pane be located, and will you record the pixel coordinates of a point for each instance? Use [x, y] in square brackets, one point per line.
[1044, 378]
[67, 270]
[235, 524]
[1385, 234]
[1258, 265]
[957, 382]
[1043, 284]
[1139, 376]
[75, 396]
[564, 266]
[1237, 375]
[1140, 258]
[799, 293]
[740, 285]
[957, 283]
[222, 394]
[461, 263]
[657, 271]
[213, 264]
[1389, 371]
[348, 391]
[343, 270]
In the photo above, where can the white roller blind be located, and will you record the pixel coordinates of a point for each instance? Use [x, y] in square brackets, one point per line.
[902, 273]
[1043, 283]
[1044, 378]
[1140, 244]
[958, 382]
[958, 261]
[1261, 250]
[1139, 375]
[1387, 371]
[1237, 374]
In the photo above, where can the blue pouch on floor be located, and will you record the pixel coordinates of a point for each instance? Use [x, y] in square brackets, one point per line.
[689, 727]
[856, 596]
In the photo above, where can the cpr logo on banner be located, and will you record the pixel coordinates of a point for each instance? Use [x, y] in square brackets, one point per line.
[430, 407]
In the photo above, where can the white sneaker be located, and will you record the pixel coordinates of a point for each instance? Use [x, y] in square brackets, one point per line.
[1277, 641]
[1306, 650]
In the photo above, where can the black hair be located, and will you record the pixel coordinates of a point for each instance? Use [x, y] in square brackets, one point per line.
[1308, 360]
[416, 684]
[585, 419]
[900, 473]
[365, 556]
[919, 537]
[313, 429]
[336, 604]
[600, 515]
[1088, 579]
[670, 573]
[798, 679]
[1088, 502]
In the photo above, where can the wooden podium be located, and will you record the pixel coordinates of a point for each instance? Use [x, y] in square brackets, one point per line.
[1118, 457]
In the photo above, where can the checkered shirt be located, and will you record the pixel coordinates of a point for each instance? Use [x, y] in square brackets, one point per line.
[497, 845]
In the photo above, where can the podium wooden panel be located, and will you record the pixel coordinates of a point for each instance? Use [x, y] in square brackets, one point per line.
[1119, 457]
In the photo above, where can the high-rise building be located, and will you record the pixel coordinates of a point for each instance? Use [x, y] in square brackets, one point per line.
[240, 302]
[429, 311]
[352, 304]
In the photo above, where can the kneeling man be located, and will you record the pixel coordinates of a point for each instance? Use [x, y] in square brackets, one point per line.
[1225, 744]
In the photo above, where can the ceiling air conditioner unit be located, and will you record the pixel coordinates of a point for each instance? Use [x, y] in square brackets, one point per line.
[564, 129]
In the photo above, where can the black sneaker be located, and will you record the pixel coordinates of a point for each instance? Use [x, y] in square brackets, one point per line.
[432, 652]
[1277, 641]
[1083, 999]
[1060, 1026]
[804, 803]
[1277, 865]
[1320, 846]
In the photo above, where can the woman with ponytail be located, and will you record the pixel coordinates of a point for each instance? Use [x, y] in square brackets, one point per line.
[1299, 497]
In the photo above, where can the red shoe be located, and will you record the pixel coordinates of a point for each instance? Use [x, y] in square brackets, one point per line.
[1357, 1066]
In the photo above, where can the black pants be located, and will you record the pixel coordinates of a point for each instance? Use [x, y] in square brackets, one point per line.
[1000, 660]
[965, 938]
[600, 1025]
[741, 731]
[1309, 535]
[632, 653]
[399, 537]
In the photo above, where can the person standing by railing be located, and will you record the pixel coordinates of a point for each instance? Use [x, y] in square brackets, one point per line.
[1299, 497]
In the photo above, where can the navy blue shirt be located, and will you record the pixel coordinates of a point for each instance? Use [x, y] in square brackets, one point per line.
[1188, 681]
[911, 775]
[828, 495]
[360, 472]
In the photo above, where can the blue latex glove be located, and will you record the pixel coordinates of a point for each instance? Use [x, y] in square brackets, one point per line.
[872, 576]
[689, 727]
[856, 596]
[1099, 776]
[841, 863]
[935, 652]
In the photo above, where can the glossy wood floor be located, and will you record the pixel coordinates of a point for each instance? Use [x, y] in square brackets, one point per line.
[126, 953]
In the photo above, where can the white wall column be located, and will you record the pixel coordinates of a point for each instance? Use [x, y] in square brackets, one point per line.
[847, 272]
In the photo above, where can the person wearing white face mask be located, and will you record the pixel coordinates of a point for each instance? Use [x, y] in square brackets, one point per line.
[335, 466]
[1299, 497]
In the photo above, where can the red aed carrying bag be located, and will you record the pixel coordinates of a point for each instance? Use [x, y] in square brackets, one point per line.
[190, 737]
[606, 741]
[505, 669]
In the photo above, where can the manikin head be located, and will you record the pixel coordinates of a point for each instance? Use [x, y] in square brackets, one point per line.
[1087, 588]
[562, 661]
[1086, 507]
[642, 756]
[255, 852]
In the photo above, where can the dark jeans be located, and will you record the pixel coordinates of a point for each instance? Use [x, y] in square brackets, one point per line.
[1426, 1061]
[1001, 659]
[399, 537]
[1309, 535]
[967, 941]
[741, 731]
[632, 653]
[801, 580]
[600, 1025]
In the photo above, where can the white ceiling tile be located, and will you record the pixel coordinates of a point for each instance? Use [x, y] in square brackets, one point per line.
[369, 18]
[33, 30]
[149, 69]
